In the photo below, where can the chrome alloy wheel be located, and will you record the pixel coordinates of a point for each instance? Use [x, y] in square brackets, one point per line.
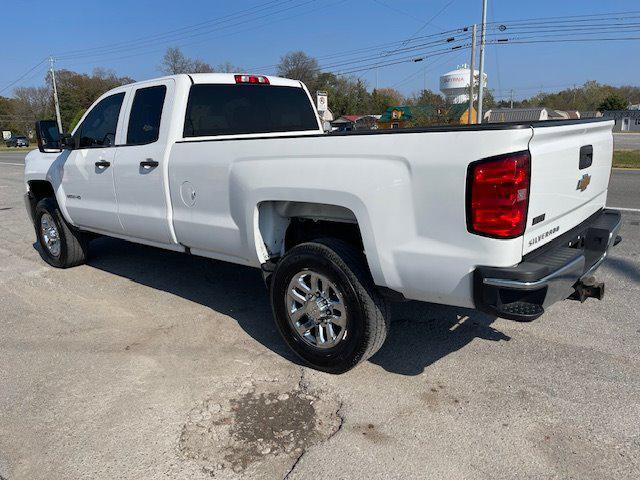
[50, 234]
[316, 311]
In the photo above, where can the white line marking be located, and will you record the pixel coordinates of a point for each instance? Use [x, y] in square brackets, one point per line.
[625, 209]
[16, 164]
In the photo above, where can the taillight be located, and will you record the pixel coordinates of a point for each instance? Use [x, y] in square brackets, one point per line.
[498, 195]
[260, 79]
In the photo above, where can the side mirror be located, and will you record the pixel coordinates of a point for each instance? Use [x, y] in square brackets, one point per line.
[68, 141]
[48, 136]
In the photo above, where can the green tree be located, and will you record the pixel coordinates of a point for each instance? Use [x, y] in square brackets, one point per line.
[613, 102]
[427, 97]
[383, 98]
[77, 91]
[346, 95]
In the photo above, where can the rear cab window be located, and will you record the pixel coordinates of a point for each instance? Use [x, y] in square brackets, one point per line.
[232, 109]
[145, 116]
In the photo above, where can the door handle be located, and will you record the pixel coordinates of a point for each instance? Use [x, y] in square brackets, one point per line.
[148, 163]
[102, 164]
[586, 156]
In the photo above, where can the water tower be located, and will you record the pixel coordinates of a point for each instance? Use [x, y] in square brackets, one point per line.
[455, 84]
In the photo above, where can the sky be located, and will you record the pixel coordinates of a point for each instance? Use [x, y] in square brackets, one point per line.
[131, 36]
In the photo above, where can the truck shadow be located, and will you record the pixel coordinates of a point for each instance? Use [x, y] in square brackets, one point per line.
[421, 333]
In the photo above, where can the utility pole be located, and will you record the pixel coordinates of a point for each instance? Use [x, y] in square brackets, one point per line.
[471, 72]
[55, 93]
[512, 99]
[483, 35]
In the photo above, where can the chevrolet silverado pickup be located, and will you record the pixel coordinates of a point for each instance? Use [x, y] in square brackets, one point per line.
[503, 218]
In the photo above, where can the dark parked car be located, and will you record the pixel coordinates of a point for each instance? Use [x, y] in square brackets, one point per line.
[18, 142]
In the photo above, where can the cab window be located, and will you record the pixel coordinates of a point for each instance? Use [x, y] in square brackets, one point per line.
[241, 109]
[99, 126]
[146, 111]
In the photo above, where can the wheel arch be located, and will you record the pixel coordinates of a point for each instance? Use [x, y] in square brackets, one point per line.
[282, 224]
[37, 190]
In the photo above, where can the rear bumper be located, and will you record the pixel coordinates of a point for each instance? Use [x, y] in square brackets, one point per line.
[548, 274]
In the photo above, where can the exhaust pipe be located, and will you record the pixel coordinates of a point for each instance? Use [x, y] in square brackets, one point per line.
[588, 288]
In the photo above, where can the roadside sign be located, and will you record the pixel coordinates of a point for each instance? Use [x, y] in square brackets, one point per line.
[321, 101]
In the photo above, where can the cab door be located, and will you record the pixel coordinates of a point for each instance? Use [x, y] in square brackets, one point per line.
[141, 163]
[87, 172]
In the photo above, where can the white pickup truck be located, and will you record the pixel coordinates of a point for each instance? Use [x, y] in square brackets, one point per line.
[504, 218]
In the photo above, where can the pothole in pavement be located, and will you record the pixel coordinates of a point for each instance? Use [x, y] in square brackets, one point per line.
[257, 429]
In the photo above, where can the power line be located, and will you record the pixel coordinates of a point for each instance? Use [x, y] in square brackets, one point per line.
[447, 41]
[23, 75]
[250, 29]
[387, 45]
[154, 42]
[171, 33]
[567, 18]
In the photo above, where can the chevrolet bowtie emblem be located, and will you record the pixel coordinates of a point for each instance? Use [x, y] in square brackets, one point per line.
[584, 182]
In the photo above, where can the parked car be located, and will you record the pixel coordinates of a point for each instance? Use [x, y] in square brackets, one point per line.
[504, 218]
[17, 142]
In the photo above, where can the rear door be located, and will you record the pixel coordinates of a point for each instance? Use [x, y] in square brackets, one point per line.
[87, 178]
[141, 164]
[570, 168]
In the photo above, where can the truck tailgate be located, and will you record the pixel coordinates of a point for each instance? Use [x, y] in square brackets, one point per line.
[570, 168]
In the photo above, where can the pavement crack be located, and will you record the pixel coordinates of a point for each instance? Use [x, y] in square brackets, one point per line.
[305, 386]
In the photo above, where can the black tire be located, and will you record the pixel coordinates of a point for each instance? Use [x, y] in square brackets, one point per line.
[367, 310]
[73, 243]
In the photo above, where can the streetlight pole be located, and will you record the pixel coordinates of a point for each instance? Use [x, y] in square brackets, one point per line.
[55, 94]
[483, 35]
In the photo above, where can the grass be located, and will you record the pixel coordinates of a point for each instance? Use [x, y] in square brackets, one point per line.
[4, 148]
[626, 159]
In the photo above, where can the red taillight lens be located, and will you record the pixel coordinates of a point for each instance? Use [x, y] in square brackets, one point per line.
[260, 79]
[498, 195]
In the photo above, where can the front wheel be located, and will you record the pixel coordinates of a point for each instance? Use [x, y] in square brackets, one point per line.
[62, 245]
[326, 305]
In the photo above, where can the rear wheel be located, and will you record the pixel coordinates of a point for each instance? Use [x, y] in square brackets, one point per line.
[326, 305]
[62, 245]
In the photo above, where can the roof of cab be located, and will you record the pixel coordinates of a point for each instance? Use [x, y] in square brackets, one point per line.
[229, 78]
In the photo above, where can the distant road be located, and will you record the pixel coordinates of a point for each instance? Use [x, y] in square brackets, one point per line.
[626, 141]
[13, 157]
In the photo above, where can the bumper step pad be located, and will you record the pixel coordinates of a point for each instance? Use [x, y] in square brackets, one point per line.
[522, 311]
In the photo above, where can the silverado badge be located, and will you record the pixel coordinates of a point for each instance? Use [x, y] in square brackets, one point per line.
[584, 182]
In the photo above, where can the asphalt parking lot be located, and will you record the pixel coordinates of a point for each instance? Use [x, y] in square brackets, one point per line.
[146, 364]
[626, 141]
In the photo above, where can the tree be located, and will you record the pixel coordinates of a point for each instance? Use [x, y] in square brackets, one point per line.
[613, 102]
[174, 62]
[77, 91]
[346, 95]
[383, 98]
[427, 97]
[299, 66]
[227, 67]
[29, 104]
